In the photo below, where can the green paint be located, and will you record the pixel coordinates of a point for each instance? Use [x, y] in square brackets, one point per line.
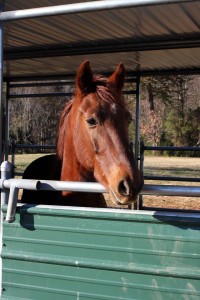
[50, 253]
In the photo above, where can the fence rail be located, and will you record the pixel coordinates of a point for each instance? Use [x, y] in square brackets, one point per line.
[170, 148]
[172, 178]
[94, 187]
[27, 146]
[10, 188]
[47, 185]
[144, 148]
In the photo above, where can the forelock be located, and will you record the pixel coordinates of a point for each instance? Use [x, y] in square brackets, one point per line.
[105, 93]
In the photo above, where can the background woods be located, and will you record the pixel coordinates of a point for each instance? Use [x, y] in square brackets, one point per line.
[170, 111]
[34, 120]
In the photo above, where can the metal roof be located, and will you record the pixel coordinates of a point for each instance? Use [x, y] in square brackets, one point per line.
[147, 38]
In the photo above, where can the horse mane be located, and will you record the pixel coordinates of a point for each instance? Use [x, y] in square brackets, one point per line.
[62, 128]
[103, 91]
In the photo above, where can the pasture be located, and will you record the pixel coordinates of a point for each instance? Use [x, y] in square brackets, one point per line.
[173, 166]
[153, 165]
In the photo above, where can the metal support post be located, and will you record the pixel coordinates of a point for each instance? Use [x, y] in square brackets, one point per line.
[137, 128]
[6, 173]
[141, 171]
[12, 204]
[13, 148]
[7, 120]
[137, 122]
[1, 91]
[1, 141]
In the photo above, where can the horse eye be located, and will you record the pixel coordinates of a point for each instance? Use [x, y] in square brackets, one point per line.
[92, 122]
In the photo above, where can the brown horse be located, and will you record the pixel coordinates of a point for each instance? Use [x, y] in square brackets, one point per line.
[93, 143]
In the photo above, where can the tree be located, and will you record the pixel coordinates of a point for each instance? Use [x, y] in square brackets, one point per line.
[170, 110]
[35, 120]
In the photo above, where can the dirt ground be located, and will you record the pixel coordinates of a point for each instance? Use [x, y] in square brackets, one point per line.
[165, 202]
[188, 203]
[173, 166]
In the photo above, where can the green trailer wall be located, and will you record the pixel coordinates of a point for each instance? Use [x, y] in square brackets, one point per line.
[50, 253]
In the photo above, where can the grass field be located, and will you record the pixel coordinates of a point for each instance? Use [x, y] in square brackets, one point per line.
[165, 166]
[172, 166]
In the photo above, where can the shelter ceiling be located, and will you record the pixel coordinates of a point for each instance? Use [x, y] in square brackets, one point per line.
[147, 39]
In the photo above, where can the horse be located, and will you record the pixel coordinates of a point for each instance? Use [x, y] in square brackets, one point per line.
[92, 144]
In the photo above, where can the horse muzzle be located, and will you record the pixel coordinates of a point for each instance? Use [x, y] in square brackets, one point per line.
[123, 193]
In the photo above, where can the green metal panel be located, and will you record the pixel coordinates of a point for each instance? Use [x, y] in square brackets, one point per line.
[50, 253]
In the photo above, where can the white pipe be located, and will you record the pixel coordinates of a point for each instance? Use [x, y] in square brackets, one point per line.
[73, 186]
[6, 172]
[26, 184]
[81, 8]
[171, 190]
[48, 185]
[12, 204]
[94, 187]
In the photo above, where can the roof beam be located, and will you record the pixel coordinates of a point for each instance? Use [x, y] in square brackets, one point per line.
[82, 7]
[106, 47]
[157, 72]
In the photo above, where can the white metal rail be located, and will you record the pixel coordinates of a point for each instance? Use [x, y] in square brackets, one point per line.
[11, 197]
[80, 8]
[93, 187]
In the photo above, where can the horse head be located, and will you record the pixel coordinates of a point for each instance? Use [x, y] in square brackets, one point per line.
[94, 144]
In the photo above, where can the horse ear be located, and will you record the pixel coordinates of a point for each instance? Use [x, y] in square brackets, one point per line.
[84, 77]
[118, 77]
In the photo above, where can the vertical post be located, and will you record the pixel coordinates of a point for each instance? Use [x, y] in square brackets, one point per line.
[13, 147]
[6, 173]
[1, 91]
[7, 120]
[137, 122]
[12, 203]
[1, 140]
[137, 129]
[141, 171]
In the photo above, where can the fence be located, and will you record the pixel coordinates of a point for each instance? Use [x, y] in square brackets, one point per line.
[14, 147]
[144, 148]
[15, 184]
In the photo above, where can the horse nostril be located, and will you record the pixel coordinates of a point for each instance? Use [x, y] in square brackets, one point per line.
[124, 188]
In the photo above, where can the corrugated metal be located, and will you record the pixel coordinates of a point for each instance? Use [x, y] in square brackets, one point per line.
[145, 23]
[140, 26]
[147, 61]
[109, 254]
